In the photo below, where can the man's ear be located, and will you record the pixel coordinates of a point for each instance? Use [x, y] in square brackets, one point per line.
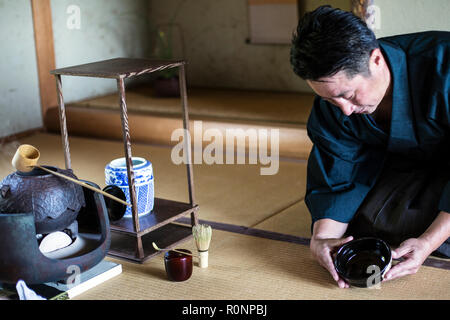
[376, 57]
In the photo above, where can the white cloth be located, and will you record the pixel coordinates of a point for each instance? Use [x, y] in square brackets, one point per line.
[26, 293]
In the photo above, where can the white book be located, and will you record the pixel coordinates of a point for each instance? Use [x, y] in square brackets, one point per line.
[98, 274]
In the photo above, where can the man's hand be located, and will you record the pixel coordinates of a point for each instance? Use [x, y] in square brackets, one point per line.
[323, 250]
[326, 239]
[414, 251]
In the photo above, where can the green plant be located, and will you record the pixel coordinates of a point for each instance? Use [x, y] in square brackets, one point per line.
[164, 51]
[164, 43]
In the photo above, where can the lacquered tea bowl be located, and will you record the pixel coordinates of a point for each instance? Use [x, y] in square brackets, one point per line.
[363, 262]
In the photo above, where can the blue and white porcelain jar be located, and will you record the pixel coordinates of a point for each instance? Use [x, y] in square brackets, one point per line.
[116, 174]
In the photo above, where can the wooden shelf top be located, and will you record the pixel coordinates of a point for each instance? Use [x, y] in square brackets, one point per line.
[118, 68]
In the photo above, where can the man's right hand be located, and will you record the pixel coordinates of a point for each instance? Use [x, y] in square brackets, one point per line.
[326, 239]
[323, 250]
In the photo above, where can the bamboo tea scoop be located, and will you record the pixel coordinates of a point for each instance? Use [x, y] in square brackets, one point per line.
[182, 252]
[26, 159]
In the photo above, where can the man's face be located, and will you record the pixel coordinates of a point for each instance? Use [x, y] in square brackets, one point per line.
[359, 94]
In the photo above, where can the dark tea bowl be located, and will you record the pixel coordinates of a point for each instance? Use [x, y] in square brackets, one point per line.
[178, 265]
[363, 262]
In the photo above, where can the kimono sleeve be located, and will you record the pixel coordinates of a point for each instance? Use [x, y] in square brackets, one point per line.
[441, 101]
[341, 168]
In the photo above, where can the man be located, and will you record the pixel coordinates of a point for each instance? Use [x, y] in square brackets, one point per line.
[380, 125]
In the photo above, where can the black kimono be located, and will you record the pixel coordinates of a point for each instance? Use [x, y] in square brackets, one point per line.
[388, 184]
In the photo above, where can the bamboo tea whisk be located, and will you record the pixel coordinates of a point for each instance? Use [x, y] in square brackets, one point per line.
[202, 235]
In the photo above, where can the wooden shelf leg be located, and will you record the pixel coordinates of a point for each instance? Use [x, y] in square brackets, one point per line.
[128, 155]
[139, 248]
[62, 122]
[190, 171]
[194, 218]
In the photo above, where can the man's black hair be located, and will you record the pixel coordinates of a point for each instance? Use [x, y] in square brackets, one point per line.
[329, 40]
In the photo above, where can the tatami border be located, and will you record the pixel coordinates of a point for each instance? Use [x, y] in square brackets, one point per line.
[429, 262]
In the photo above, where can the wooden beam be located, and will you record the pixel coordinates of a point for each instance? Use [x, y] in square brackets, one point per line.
[45, 53]
[20, 135]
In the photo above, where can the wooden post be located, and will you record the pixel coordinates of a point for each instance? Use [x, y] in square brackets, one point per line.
[129, 162]
[45, 52]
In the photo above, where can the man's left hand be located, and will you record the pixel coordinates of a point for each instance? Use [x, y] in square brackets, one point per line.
[414, 251]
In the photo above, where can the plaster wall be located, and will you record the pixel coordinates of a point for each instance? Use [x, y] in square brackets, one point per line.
[20, 107]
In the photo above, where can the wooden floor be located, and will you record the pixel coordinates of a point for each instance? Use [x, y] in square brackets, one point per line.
[259, 247]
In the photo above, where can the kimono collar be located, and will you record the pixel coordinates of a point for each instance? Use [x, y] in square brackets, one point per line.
[402, 136]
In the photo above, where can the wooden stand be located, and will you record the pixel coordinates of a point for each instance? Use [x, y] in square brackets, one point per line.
[131, 238]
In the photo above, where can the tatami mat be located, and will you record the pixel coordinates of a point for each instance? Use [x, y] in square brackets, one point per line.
[247, 267]
[279, 107]
[236, 194]
[294, 220]
[241, 266]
